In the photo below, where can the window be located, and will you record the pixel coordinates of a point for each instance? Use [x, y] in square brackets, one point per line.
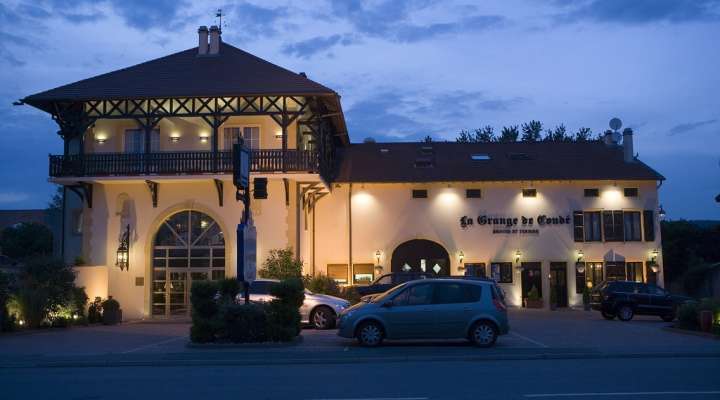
[592, 192]
[649, 225]
[250, 135]
[593, 274]
[475, 269]
[363, 273]
[501, 272]
[592, 226]
[417, 295]
[634, 271]
[419, 194]
[338, 272]
[135, 141]
[451, 293]
[473, 193]
[479, 157]
[384, 280]
[615, 270]
[260, 287]
[613, 226]
[631, 223]
[630, 192]
[578, 226]
[529, 192]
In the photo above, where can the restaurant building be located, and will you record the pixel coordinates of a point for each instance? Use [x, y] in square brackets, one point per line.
[150, 205]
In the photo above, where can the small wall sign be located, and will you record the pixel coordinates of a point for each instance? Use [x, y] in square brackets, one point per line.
[511, 225]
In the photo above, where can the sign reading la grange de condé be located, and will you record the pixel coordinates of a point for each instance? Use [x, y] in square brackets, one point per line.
[510, 224]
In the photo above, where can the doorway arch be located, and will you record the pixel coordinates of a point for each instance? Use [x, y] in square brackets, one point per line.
[421, 255]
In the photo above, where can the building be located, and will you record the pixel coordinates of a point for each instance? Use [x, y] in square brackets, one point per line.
[148, 167]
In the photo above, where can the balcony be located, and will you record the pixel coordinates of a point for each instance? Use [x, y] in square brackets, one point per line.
[179, 163]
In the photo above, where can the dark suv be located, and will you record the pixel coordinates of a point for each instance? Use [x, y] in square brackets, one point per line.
[624, 299]
[389, 281]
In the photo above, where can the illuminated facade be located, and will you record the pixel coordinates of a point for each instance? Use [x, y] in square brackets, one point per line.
[150, 205]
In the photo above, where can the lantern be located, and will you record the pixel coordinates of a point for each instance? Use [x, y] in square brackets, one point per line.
[122, 259]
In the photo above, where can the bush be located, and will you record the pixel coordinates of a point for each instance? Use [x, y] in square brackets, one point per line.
[246, 323]
[228, 289]
[322, 284]
[111, 312]
[44, 286]
[533, 294]
[95, 311]
[6, 320]
[284, 311]
[281, 264]
[687, 316]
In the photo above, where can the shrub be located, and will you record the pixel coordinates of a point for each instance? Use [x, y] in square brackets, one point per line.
[44, 286]
[322, 284]
[687, 315]
[586, 295]
[281, 264]
[284, 311]
[95, 311]
[246, 323]
[228, 289]
[6, 321]
[111, 312]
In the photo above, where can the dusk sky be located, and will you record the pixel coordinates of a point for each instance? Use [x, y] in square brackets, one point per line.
[406, 70]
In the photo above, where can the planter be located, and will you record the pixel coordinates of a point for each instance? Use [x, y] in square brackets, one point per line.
[533, 303]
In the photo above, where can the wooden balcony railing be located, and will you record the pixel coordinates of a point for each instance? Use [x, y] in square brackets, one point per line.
[179, 163]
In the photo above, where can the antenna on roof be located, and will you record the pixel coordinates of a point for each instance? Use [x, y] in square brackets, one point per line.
[219, 15]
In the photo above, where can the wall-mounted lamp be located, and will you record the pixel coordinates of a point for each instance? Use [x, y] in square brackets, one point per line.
[661, 212]
[461, 256]
[529, 193]
[579, 264]
[100, 139]
[122, 259]
[278, 135]
[203, 139]
[580, 255]
[175, 138]
[378, 254]
[518, 256]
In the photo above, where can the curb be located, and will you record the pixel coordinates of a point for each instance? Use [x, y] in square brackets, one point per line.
[353, 360]
[681, 331]
[263, 345]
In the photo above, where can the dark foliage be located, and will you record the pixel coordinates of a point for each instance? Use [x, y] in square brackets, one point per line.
[44, 285]
[688, 248]
[25, 240]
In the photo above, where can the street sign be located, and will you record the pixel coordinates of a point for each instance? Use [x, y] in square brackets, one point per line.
[247, 251]
[241, 166]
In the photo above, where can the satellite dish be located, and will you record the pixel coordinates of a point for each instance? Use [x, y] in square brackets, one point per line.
[615, 124]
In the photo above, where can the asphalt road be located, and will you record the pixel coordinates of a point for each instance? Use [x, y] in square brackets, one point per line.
[642, 378]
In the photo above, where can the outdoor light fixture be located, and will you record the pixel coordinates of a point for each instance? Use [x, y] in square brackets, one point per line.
[378, 254]
[579, 265]
[518, 255]
[278, 135]
[461, 256]
[653, 260]
[661, 212]
[175, 138]
[123, 252]
[100, 139]
[529, 192]
[580, 255]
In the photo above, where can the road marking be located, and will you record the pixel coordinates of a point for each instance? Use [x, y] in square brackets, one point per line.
[153, 344]
[535, 342]
[609, 394]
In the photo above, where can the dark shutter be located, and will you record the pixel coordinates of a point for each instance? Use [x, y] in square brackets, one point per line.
[619, 226]
[649, 225]
[578, 224]
[608, 228]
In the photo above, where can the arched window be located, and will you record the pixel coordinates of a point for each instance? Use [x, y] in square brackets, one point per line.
[188, 246]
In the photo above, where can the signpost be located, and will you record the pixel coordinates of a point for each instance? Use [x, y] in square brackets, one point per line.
[246, 233]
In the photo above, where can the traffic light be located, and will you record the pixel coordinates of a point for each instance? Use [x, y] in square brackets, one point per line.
[260, 188]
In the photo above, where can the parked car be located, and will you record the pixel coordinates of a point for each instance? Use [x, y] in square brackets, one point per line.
[501, 292]
[318, 310]
[625, 299]
[429, 308]
[388, 281]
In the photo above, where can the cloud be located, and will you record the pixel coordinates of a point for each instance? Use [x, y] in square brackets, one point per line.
[13, 197]
[689, 126]
[390, 20]
[252, 21]
[642, 11]
[307, 48]
[145, 15]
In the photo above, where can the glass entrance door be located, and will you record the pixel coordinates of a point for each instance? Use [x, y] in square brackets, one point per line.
[189, 246]
[558, 284]
[530, 278]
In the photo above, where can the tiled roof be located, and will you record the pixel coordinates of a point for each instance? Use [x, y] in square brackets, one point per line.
[451, 161]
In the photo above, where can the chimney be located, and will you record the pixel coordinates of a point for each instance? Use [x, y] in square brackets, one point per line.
[214, 40]
[628, 152]
[202, 40]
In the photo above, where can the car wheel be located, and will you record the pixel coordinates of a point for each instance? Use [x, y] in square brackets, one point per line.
[668, 317]
[608, 315]
[625, 313]
[483, 334]
[323, 318]
[370, 334]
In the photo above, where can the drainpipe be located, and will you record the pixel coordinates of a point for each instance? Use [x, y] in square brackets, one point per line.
[350, 258]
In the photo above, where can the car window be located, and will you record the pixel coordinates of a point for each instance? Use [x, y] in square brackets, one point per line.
[449, 293]
[260, 287]
[416, 295]
[656, 290]
[384, 280]
[403, 278]
[391, 292]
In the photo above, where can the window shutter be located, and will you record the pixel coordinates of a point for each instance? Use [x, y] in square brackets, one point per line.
[580, 278]
[578, 231]
[619, 229]
[649, 225]
[608, 228]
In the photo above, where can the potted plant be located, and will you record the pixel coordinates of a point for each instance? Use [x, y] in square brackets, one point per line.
[586, 298]
[533, 299]
[111, 312]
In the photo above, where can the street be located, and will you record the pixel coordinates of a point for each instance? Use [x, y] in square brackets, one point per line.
[643, 378]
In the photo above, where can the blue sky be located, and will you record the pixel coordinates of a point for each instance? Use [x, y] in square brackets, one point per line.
[406, 69]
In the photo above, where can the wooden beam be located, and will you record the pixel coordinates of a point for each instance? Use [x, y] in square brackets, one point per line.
[154, 187]
[219, 188]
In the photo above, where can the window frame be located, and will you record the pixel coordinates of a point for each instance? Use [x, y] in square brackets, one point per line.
[636, 236]
[241, 128]
[419, 193]
[501, 265]
[587, 229]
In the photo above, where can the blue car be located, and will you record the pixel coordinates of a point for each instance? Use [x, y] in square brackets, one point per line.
[429, 309]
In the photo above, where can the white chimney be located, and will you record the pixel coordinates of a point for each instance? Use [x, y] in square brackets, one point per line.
[202, 40]
[628, 152]
[214, 40]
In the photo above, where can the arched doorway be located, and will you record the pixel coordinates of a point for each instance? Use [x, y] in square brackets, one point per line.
[420, 255]
[188, 246]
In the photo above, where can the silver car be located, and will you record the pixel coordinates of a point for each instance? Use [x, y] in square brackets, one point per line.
[318, 310]
[427, 309]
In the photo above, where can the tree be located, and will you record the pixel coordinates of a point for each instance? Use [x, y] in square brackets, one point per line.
[464, 137]
[485, 135]
[26, 239]
[509, 134]
[44, 286]
[428, 139]
[369, 139]
[56, 200]
[281, 264]
[559, 134]
[532, 131]
[583, 135]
